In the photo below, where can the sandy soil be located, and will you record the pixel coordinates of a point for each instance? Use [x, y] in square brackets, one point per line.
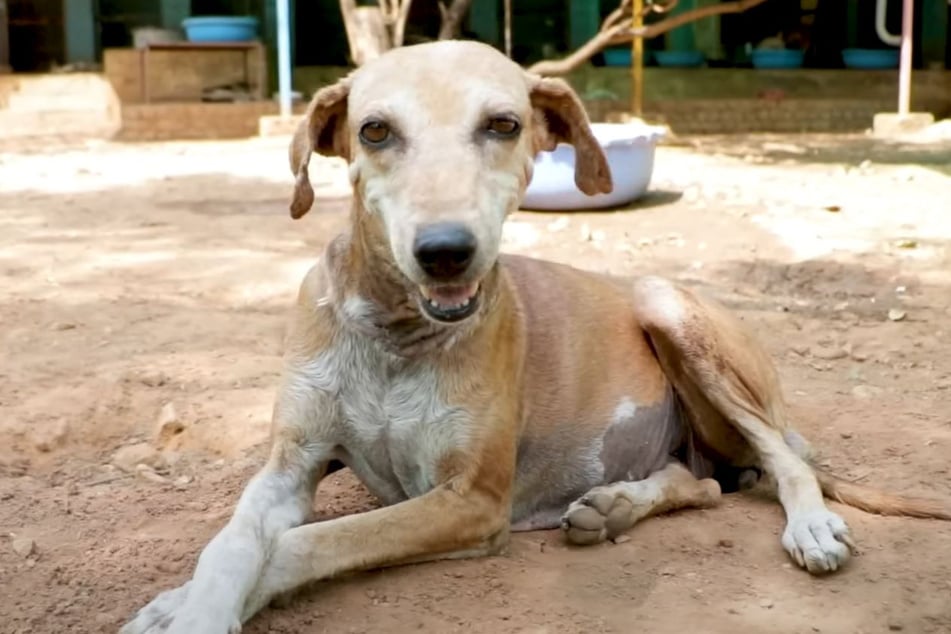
[147, 284]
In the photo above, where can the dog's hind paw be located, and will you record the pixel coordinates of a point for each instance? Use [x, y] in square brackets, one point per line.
[598, 515]
[605, 512]
[819, 541]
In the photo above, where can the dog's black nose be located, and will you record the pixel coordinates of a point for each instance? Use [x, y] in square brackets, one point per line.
[444, 250]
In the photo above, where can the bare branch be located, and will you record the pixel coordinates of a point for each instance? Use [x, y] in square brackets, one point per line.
[366, 31]
[739, 6]
[452, 17]
[588, 50]
[508, 28]
[616, 30]
[399, 27]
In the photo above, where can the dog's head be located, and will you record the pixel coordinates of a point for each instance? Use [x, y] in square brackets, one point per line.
[441, 140]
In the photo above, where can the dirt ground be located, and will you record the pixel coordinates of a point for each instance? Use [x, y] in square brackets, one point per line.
[144, 289]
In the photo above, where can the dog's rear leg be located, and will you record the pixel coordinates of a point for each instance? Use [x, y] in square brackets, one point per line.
[606, 511]
[729, 387]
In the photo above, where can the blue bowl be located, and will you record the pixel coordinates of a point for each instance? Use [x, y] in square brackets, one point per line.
[622, 56]
[220, 29]
[617, 56]
[870, 58]
[680, 59]
[777, 58]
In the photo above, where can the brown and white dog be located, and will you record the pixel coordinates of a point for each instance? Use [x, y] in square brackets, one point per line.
[474, 393]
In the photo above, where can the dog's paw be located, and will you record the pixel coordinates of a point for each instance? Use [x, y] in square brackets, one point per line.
[598, 515]
[156, 617]
[169, 613]
[190, 622]
[819, 541]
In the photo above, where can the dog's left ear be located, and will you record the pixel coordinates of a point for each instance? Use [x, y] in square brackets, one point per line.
[560, 118]
[323, 130]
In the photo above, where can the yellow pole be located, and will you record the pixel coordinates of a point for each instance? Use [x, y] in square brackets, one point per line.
[637, 59]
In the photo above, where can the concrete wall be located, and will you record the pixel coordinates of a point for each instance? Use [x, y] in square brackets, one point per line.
[668, 84]
[69, 105]
[711, 100]
[166, 121]
[663, 84]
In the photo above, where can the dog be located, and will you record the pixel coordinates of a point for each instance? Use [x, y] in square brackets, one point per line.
[476, 393]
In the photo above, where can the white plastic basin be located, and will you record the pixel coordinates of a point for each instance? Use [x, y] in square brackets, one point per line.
[629, 148]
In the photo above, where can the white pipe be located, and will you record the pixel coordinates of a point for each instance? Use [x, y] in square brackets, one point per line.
[883, 34]
[904, 67]
[284, 56]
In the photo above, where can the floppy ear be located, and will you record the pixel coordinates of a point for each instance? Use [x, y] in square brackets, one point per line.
[323, 130]
[560, 118]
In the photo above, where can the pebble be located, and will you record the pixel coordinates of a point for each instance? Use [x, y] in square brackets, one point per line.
[620, 539]
[766, 604]
[829, 354]
[896, 314]
[129, 457]
[24, 546]
[866, 391]
[167, 425]
[48, 437]
[147, 473]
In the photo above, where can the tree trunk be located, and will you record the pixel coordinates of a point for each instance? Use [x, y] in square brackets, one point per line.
[366, 31]
[452, 17]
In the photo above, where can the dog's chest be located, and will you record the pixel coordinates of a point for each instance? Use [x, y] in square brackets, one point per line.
[393, 426]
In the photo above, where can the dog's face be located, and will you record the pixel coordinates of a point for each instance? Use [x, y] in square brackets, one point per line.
[441, 140]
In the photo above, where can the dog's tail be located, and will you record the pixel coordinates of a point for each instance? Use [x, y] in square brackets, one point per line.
[872, 500]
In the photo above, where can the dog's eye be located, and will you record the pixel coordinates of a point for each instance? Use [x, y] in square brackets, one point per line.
[375, 133]
[503, 127]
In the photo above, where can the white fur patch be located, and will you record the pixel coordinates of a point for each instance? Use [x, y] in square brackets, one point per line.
[625, 410]
[662, 301]
[355, 308]
[391, 424]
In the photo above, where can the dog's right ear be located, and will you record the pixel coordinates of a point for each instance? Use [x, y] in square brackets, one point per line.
[323, 130]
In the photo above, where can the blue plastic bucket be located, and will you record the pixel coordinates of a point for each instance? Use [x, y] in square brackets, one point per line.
[220, 29]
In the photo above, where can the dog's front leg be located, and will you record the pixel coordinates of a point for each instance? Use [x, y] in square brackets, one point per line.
[279, 497]
[451, 521]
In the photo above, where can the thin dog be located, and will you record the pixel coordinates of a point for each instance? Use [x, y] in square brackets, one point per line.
[475, 393]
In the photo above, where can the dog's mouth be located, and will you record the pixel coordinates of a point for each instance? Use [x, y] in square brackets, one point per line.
[450, 302]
